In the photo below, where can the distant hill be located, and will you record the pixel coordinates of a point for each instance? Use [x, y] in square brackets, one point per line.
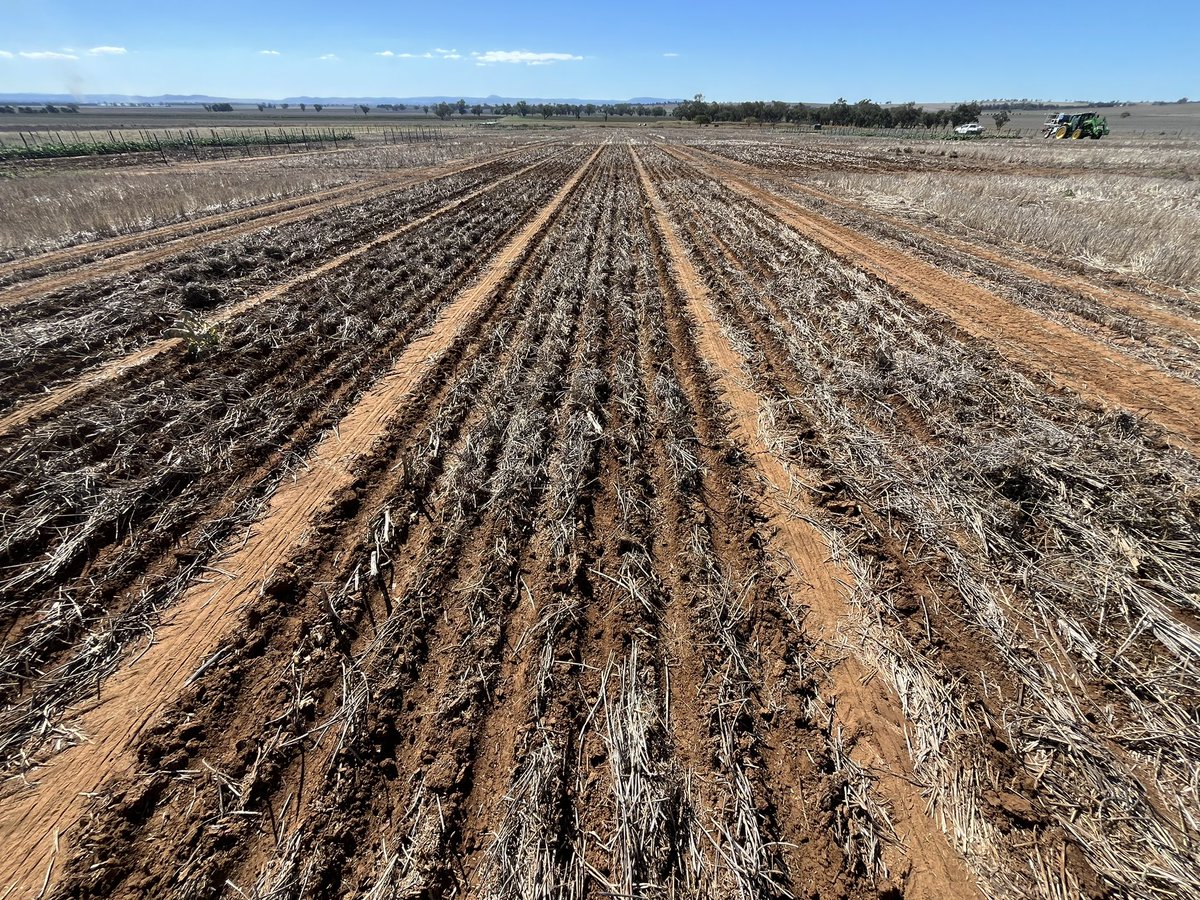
[329, 101]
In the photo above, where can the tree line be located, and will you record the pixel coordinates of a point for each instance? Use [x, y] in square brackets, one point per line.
[863, 114]
[524, 109]
[47, 108]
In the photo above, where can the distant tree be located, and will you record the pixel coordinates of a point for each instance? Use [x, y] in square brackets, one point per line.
[702, 119]
[1001, 118]
[401, 106]
[906, 115]
[477, 109]
[443, 110]
[775, 111]
[590, 109]
[284, 105]
[303, 107]
[658, 111]
[547, 110]
[964, 113]
[461, 107]
[522, 108]
[425, 109]
[365, 109]
[261, 107]
[1182, 100]
[318, 106]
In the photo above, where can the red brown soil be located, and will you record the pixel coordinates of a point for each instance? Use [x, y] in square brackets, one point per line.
[543, 600]
[864, 706]
[32, 820]
[1031, 341]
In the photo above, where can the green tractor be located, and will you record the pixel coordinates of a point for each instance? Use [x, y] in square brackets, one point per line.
[1076, 127]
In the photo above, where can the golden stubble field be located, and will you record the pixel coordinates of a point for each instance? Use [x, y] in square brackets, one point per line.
[600, 513]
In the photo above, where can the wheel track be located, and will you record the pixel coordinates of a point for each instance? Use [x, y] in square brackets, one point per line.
[31, 821]
[862, 702]
[127, 253]
[26, 413]
[1033, 342]
[789, 758]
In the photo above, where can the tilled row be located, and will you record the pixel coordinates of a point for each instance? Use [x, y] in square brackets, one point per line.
[123, 498]
[968, 494]
[65, 333]
[1157, 327]
[143, 246]
[536, 645]
[306, 514]
[454, 437]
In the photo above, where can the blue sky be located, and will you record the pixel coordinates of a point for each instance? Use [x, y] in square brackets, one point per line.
[927, 51]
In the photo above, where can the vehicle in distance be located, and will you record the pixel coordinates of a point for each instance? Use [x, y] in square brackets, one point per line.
[1075, 127]
[969, 128]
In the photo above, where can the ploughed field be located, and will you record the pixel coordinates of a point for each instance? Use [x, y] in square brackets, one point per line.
[595, 518]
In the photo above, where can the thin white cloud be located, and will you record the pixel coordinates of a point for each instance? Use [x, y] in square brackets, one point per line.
[269, 53]
[107, 51]
[527, 57]
[443, 52]
[451, 56]
[670, 55]
[4, 54]
[328, 57]
[385, 53]
[46, 54]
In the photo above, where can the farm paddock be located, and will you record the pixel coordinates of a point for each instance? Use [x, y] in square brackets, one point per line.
[598, 515]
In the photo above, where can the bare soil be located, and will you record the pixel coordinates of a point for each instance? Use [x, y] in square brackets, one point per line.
[597, 519]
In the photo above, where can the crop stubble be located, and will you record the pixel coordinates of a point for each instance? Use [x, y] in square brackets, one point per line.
[688, 544]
